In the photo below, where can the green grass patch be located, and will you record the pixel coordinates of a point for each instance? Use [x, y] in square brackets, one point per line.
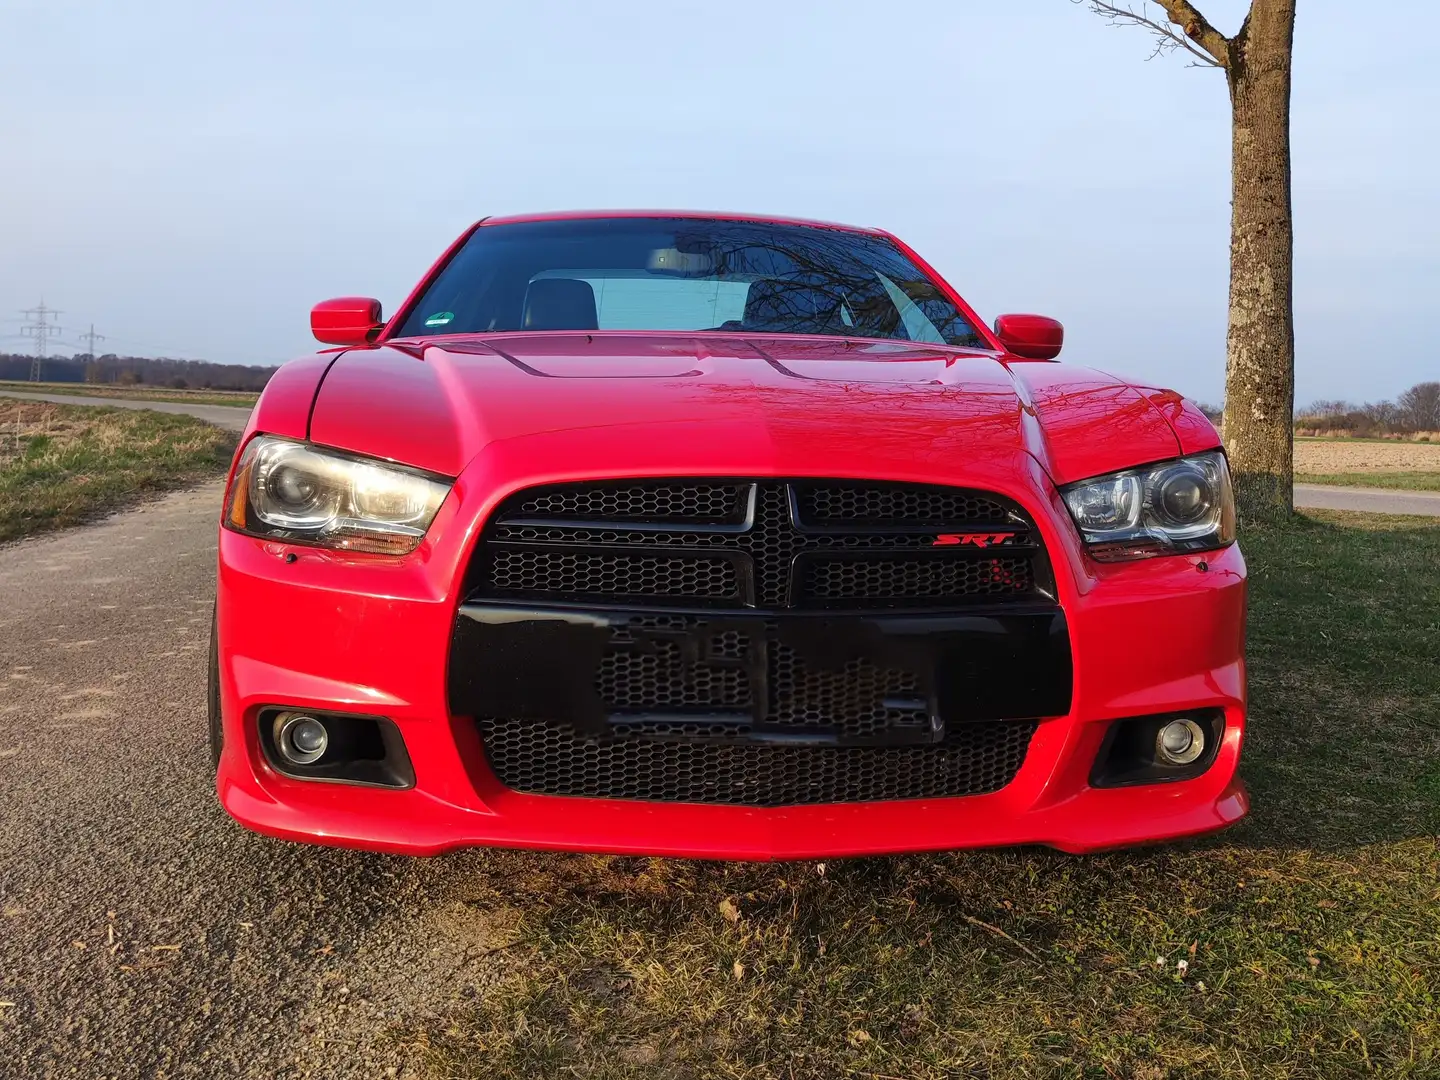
[236, 398]
[64, 464]
[1408, 481]
[1303, 943]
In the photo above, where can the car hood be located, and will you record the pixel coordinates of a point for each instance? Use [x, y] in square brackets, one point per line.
[632, 404]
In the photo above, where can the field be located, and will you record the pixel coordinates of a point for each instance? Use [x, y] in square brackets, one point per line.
[1303, 943]
[134, 393]
[1388, 463]
[62, 464]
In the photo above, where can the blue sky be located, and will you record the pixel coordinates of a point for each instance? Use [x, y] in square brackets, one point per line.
[192, 177]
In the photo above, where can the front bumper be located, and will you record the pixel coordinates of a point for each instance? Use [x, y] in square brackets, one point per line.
[373, 636]
[364, 636]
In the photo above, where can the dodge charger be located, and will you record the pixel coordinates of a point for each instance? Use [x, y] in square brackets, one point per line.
[721, 536]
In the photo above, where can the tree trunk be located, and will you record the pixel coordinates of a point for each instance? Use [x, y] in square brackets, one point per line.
[1260, 353]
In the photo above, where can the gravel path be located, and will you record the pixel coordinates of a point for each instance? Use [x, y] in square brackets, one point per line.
[1369, 500]
[142, 932]
[226, 416]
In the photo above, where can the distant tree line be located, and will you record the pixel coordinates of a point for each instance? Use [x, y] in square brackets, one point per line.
[139, 371]
[1414, 411]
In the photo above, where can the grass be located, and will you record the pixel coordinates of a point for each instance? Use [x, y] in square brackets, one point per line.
[64, 464]
[1419, 436]
[1343, 439]
[1408, 481]
[235, 398]
[1309, 934]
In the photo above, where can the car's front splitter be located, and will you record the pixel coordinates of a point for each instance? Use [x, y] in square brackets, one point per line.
[418, 822]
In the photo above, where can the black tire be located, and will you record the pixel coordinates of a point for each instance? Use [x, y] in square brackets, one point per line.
[217, 732]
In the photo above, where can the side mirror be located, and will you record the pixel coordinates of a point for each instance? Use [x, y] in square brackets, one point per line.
[1032, 336]
[348, 320]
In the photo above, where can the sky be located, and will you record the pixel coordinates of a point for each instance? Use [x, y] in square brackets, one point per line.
[190, 178]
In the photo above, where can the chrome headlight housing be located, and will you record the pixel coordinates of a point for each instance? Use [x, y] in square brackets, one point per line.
[302, 494]
[1166, 509]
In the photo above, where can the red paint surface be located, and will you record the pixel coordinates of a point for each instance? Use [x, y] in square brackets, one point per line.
[1192, 427]
[501, 412]
[284, 405]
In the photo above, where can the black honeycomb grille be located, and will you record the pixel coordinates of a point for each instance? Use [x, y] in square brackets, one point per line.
[569, 541]
[637, 502]
[623, 574]
[921, 579]
[546, 759]
[871, 505]
[643, 673]
[772, 544]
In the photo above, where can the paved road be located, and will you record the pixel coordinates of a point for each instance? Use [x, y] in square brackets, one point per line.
[225, 416]
[1371, 500]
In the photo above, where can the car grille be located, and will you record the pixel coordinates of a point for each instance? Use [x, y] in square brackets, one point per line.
[767, 544]
[643, 673]
[611, 574]
[549, 759]
[697, 712]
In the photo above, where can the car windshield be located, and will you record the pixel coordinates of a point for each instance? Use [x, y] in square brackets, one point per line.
[686, 274]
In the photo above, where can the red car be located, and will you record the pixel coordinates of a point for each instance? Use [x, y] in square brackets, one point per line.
[713, 535]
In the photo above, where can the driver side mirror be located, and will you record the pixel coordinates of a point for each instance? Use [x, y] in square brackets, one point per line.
[1033, 337]
[348, 320]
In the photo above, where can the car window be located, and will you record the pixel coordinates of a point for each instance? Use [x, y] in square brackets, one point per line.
[686, 274]
[626, 301]
[917, 326]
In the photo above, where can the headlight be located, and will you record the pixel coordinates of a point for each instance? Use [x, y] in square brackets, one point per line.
[1179, 506]
[301, 494]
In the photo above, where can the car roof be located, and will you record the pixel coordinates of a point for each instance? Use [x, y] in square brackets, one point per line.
[711, 215]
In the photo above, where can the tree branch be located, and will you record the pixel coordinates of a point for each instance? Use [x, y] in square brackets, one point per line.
[1198, 29]
[1185, 29]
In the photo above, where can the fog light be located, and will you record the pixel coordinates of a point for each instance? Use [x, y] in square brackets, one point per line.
[302, 740]
[1180, 742]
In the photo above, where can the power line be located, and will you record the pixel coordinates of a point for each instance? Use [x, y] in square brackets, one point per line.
[39, 328]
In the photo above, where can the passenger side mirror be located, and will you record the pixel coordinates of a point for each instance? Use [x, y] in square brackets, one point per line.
[348, 320]
[1032, 336]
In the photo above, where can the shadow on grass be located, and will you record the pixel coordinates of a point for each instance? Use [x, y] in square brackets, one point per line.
[1343, 743]
[1300, 944]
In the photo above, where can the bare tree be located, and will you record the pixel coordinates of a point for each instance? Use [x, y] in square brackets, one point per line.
[1260, 345]
[1325, 407]
[1385, 414]
[1420, 406]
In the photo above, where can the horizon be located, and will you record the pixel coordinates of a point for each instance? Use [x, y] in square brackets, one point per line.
[1309, 408]
[196, 183]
